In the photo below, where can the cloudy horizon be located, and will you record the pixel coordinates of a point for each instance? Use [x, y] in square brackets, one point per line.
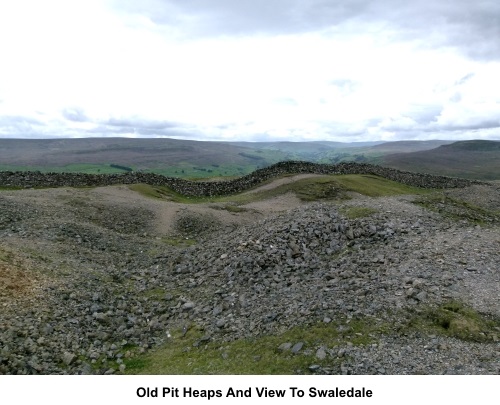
[286, 70]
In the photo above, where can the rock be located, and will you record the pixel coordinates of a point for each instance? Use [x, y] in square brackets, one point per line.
[321, 353]
[101, 317]
[68, 358]
[188, 306]
[270, 317]
[217, 310]
[285, 346]
[421, 296]
[297, 347]
[86, 369]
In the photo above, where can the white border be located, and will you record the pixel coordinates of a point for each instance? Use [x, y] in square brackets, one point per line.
[122, 390]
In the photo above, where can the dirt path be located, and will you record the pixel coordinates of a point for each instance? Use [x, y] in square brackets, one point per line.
[166, 212]
[281, 181]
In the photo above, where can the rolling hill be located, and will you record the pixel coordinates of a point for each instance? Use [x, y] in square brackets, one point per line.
[183, 158]
[475, 159]
[408, 146]
[203, 159]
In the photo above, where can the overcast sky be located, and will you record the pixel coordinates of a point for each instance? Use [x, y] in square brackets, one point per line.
[343, 70]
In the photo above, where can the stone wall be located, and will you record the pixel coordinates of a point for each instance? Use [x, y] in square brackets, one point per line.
[203, 188]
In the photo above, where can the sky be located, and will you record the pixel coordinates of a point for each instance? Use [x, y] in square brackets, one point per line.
[250, 70]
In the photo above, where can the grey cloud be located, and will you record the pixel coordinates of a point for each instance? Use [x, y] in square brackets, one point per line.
[472, 26]
[75, 114]
[477, 28]
[148, 133]
[18, 119]
[20, 126]
[465, 79]
[436, 128]
[123, 125]
[344, 83]
[139, 123]
[142, 127]
[424, 113]
[479, 125]
[260, 137]
[229, 17]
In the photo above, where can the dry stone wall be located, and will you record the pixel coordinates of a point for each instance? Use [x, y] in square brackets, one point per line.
[201, 188]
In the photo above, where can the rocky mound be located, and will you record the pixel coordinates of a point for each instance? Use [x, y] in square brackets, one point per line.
[112, 291]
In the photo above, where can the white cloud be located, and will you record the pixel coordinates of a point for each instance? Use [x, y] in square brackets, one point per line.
[306, 71]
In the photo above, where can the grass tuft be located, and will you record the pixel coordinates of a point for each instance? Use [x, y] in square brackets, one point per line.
[179, 241]
[457, 320]
[357, 212]
[374, 186]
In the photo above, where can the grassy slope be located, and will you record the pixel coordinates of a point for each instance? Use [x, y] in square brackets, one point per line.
[467, 159]
[409, 146]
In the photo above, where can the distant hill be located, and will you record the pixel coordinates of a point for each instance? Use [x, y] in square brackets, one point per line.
[129, 151]
[475, 145]
[162, 155]
[474, 159]
[201, 159]
[408, 146]
[173, 157]
[304, 147]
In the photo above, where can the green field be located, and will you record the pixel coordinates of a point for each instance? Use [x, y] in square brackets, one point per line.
[89, 168]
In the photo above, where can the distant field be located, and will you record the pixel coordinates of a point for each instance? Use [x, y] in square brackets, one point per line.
[183, 170]
[72, 168]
